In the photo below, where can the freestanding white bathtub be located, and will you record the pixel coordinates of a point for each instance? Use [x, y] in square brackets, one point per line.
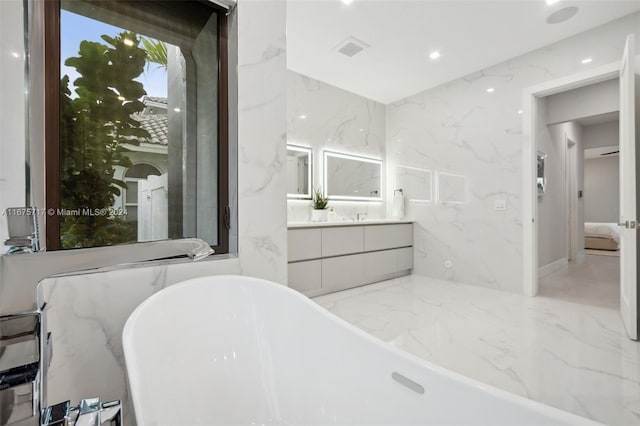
[232, 350]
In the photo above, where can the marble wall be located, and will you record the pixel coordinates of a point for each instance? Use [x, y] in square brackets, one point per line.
[12, 106]
[463, 129]
[262, 135]
[323, 117]
[86, 313]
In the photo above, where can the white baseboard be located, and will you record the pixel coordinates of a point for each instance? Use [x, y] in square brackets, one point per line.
[552, 267]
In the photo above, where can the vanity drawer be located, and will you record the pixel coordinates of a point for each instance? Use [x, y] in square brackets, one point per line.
[339, 273]
[305, 276]
[379, 266]
[342, 240]
[381, 237]
[304, 244]
[404, 259]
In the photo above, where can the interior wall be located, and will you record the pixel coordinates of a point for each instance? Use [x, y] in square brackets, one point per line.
[602, 189]
[603, 134]
[462, 128]
[552, 209]
[602, 175]
[595, 99]
[262, 135]
[334, 120]
[554, 224]
[12, 107]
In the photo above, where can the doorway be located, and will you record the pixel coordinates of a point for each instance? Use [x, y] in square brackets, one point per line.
[534, 125]
[589, 271]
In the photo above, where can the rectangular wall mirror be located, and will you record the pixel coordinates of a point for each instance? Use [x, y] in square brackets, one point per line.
[349, 177]
[299, 172]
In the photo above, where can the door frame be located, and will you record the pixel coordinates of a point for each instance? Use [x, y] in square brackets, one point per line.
[571, 196]
[531, 95]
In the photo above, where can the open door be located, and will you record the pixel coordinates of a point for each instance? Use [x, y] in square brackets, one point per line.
[628, 222]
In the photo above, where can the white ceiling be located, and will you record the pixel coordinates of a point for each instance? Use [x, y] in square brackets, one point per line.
[471, 35]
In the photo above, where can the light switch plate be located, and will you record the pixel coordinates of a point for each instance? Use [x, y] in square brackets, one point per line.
[500, 204]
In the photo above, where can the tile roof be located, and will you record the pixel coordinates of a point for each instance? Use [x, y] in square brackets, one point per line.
[154, 99]
[156, 125]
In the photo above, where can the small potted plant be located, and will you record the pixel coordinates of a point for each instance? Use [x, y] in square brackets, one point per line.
[319, 203]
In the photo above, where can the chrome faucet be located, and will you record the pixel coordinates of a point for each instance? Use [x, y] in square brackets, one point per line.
[89, 412]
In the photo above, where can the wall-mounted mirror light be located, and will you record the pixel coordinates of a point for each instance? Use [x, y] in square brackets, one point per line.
[299, 172]
[416, 183]
[540, 180]
[350, 177]
[451, 188]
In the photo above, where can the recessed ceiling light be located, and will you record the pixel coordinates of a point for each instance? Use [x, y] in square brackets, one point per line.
[177, 109]
[519, 112]
[303, 117]
[587, 60]
[550, 2]
[562, 15]
[347, 2]
[491, 90]
[362, 130]
[128, 42]
[15, 54]
[434, 55]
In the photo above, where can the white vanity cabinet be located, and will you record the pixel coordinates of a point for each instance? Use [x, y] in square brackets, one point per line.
[324, 258]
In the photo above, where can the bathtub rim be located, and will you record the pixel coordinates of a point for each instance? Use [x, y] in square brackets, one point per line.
[133, 378]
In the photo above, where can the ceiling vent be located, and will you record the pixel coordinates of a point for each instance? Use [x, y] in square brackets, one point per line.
[351, 46]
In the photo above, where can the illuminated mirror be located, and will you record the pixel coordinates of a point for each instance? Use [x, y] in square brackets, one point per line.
[350, 177]
[298, 172]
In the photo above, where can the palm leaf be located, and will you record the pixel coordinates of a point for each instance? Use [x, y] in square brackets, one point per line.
[156, 52]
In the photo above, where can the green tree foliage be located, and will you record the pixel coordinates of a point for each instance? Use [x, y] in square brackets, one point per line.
[94, 127]
[156, 52]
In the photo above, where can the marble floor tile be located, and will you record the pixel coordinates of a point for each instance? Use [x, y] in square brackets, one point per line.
[592, 280]
[572, 356]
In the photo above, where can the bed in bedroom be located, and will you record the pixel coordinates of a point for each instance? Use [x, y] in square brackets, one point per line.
[601, 236]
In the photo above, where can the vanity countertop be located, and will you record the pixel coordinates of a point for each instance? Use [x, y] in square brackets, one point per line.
[297, 225]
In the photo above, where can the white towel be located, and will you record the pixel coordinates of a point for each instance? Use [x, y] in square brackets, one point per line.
[397, 209]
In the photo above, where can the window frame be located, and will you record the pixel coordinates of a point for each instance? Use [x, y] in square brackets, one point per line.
[52, 145]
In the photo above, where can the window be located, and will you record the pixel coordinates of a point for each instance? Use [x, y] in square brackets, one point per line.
[136, 125]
